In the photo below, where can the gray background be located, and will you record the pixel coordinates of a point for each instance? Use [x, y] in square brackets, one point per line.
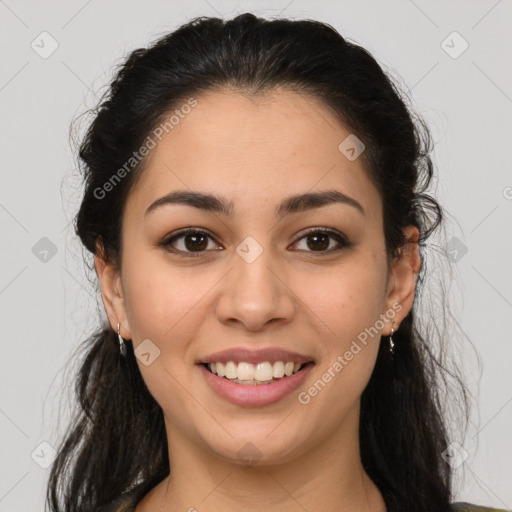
[47, 303]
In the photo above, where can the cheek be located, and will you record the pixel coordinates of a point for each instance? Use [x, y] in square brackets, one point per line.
[345, 306]
[157, 297]
[347, 298]
[346, 316]
[162, 306]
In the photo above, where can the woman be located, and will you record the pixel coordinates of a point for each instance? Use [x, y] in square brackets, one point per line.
[256, 206]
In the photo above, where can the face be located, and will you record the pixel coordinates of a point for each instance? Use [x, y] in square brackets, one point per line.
[307, 277]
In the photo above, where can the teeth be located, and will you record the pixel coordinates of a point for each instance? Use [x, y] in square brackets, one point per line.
[252, 373]
[220, 368]
[278, 370]
[231, 372]
[263, 371]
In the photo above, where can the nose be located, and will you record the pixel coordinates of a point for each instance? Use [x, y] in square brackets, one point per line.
[256, 294]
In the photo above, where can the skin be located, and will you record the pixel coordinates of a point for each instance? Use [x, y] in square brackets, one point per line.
[256, 152]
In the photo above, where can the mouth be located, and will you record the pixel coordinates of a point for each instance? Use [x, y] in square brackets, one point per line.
[263, 373]
[252, 378]
[247, 384]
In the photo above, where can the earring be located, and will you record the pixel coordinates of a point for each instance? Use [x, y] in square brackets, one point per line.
[391, 342]
[122, 346]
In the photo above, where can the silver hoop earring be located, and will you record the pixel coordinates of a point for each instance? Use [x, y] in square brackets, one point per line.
[122, 345]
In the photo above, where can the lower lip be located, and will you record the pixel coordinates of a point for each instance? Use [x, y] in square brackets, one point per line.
[258, 394]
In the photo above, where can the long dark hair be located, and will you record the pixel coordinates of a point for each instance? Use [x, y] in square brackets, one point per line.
[117, 440]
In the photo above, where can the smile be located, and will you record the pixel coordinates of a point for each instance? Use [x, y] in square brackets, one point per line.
[247, 384]
[248, 373]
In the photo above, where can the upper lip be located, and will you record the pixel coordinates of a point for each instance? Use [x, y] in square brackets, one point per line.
[255, 356]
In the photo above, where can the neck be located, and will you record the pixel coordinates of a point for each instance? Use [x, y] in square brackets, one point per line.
[330, 474]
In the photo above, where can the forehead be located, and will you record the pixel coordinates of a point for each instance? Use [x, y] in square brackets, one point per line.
[254, 151]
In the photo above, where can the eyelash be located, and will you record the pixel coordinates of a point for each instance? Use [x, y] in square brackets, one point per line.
[342, 240]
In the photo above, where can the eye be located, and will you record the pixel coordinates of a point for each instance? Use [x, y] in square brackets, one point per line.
[195, 242]
[192, 242]
[319, 240]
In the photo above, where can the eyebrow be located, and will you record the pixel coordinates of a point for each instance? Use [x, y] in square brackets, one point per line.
[292, 204]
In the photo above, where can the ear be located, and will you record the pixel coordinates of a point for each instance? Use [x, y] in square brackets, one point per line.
[111, 292]
[402, 279]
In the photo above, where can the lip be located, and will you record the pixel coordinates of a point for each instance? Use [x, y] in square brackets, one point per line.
[247, 395]
[255, 356]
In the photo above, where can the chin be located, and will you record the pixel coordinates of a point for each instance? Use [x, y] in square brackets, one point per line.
[258, 447]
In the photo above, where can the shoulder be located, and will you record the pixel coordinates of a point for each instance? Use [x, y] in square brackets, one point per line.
[470, 507]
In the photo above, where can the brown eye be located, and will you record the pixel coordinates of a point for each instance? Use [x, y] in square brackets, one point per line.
[188, 242]
[319, 240]
[195, 242]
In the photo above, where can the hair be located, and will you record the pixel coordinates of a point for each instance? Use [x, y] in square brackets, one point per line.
[115, 444]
